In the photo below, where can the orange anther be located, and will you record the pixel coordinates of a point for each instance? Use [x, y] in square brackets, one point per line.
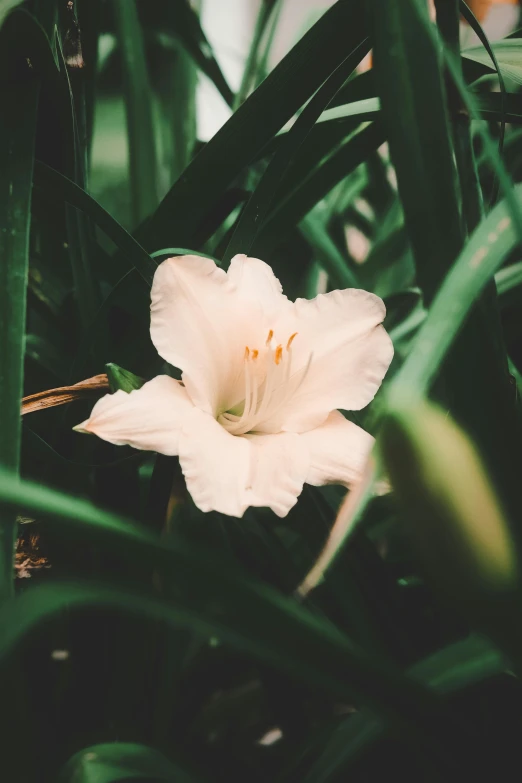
[255, 353]
[270, 335]
[247, 352]
[291, 340]
[278, 354]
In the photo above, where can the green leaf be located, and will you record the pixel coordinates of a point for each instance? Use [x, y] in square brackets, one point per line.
[508, 53]
[139, 110]
[122, 379]
[61, 187]
[283, 92]
[413, 108]
[508, 278]
[449, 670]
[294, 204]
[245, 614]
[256, 209]
[117, 761]
[19, 101]
[485, 252]
[477, 28]
[6, 6]
[492, 106]
[331, 259]
[453, 517]
[453, 520]
[187, 29]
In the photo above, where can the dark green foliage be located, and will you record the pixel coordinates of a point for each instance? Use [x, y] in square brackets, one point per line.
[157, 643]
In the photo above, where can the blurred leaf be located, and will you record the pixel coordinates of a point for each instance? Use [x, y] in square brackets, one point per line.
[122, 761]
[454, 520]
[6, 6]
[19, 101]
[448, 670]
[52, 181]
[79, 229]
[484, 253]
[331, 259]
[492, 106]
[414, 111]
[187, 29]
[243, 613]
[248, 79]
[461, 664]
[181, 251]
[293, 205]
[508, 53]
[256, 209]
[508, 278]
[176, 80]
[477, 28]
[288, 86]
[139, 110]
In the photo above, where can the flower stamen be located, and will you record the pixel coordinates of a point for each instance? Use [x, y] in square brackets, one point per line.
[264, 398]
[291, 340]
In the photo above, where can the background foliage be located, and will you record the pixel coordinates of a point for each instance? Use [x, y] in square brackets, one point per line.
[157, 643]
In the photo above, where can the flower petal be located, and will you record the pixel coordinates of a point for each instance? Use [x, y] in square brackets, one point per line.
[338, 451]
[255, 281]
[350, 354]
[228, 473]
[278, 471]
[149, 418]
[201, 325]
[215, 465]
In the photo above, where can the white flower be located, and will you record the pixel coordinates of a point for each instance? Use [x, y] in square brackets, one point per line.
[255, 415]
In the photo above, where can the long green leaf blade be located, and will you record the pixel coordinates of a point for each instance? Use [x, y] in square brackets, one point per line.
[19, 101]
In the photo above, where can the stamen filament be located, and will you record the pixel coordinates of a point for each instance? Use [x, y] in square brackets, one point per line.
[264, 400]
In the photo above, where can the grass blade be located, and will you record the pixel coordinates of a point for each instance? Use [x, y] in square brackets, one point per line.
[19, 100]
[139, 110]
[259, 203]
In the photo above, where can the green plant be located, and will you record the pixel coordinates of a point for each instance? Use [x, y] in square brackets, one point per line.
[156, 642]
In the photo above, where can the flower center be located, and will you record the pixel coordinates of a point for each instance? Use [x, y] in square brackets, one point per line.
[263, 399]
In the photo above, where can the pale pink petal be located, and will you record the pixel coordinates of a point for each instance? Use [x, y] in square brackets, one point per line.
[350, 353]
[279, 468]
[215, 465]
[338, 451]
[149, 418]
[201, 325]
[229, 473]
[255, 281]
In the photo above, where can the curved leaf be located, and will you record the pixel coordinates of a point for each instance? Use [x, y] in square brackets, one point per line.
[281, 94]
[111, 762]
[52, 181]
[245, 614]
